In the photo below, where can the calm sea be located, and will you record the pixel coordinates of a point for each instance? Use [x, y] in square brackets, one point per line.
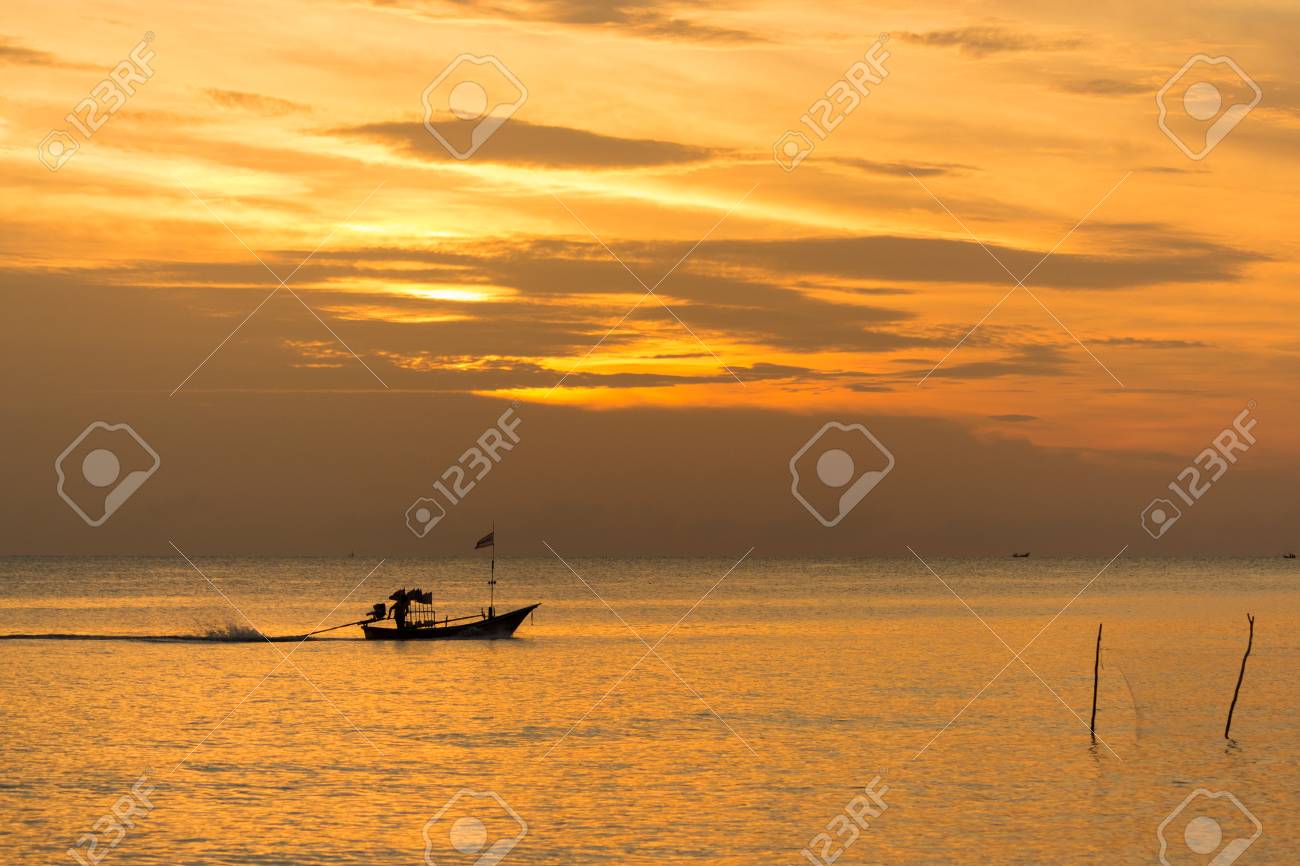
[774, 695]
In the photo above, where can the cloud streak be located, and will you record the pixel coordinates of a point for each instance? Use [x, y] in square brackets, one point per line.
[14, 53]
[255, 103]
[531, 144]
[986, 40]
[642, 18]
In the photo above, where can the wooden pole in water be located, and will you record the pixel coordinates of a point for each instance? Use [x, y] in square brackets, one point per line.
[1242, 675]
[1096, 668]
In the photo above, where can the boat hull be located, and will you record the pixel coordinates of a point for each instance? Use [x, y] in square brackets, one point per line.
[492, 628]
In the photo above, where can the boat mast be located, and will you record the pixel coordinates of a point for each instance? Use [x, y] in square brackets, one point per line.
[492, 578]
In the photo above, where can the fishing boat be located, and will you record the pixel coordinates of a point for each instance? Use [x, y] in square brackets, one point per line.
[1020, 555]
[412, 615]
[487, 625]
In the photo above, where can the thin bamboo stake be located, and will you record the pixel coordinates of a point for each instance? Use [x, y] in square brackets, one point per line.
[1096, 667]
[1242, 675]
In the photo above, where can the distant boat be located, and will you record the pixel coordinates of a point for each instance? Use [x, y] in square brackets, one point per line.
[1020, 555]
[1288, 556]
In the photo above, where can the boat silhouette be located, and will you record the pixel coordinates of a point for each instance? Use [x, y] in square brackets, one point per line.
[487, 625]
[413, 617]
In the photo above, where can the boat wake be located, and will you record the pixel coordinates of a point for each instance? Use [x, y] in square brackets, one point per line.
[231, 633]
[228, 633]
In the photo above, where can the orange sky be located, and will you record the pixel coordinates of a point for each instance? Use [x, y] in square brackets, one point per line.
[849, 286]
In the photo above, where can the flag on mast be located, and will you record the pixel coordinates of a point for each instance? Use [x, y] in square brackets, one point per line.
[490, 540]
